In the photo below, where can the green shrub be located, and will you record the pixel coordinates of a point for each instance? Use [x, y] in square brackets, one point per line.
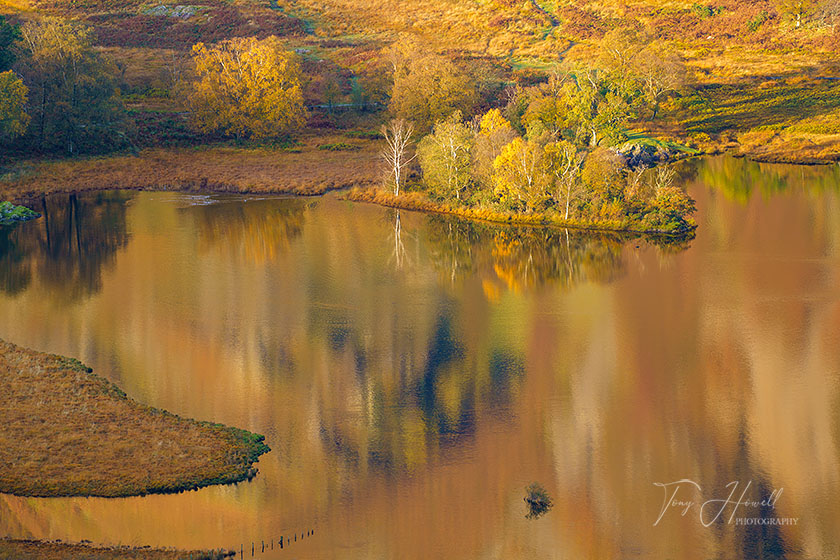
[703, 10]
[757, 21]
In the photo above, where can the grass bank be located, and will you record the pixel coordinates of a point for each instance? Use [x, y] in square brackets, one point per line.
[774, 120]
[18, 549]
[68, 432]
[304, 169]
[418, 201]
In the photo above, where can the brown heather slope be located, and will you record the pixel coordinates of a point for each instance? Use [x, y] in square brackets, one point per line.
[67, 432]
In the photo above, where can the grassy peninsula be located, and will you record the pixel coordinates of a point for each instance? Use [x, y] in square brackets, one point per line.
[68, 432]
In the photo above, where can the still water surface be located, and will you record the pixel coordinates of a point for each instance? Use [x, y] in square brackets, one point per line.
[413, 375]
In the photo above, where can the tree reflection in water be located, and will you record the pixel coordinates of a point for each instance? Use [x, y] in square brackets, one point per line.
[68, 247]
[739, 179]
[15, 267]
[524, 258]
[426, 376]
[257, 231]
[421, 400]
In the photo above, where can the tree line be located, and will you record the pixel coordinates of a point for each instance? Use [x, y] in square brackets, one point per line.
[551, 149]
[548, 148]
[58, 94]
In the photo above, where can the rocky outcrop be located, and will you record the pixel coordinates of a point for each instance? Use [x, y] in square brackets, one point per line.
[11, 214]
[646, 155]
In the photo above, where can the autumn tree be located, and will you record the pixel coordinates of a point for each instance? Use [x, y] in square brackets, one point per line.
[246, 87]
[659, 72]
[797, 10]
[13, 117]
[548, 110]
[598, 108]
[9, 35]
[519, 175]
[73, 98]
[671, 207]
[618, 52]
[427, 87]
[602, 176]
[397, 135]
[563, 162]
[445, 157]
[492, 133]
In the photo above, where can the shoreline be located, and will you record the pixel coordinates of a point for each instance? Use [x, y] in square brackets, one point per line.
[78, 440]
[31, 549]
[418, 202]
[304, 170]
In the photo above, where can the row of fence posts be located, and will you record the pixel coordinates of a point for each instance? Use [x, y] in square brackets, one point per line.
[284, 540]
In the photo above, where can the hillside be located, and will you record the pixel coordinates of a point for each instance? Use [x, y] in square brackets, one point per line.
[760, 81]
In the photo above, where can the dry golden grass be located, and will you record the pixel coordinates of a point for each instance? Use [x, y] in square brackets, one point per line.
[793, 120]
[783, 147]
[67, 432]
[14, 549]
[493, 27]
[14, 6]
[147, 67]
[304, 170]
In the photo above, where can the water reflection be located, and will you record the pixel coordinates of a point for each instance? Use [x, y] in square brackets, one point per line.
[408, 406]
[76, 237]
[740, 179]
[256, 231]
[15, 268]
[520, 259]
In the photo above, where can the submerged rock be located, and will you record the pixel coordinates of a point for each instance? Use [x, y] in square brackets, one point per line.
[537, 500]
[11, 214]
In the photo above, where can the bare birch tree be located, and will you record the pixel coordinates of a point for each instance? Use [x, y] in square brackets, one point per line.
[397, 135]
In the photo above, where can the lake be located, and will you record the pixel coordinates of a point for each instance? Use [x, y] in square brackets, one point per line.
[413, 374]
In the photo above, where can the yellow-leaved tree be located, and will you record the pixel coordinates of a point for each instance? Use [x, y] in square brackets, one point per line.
[428, 87]
[13, 117]
[520, 176]
[494, 133]
[246, 88]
